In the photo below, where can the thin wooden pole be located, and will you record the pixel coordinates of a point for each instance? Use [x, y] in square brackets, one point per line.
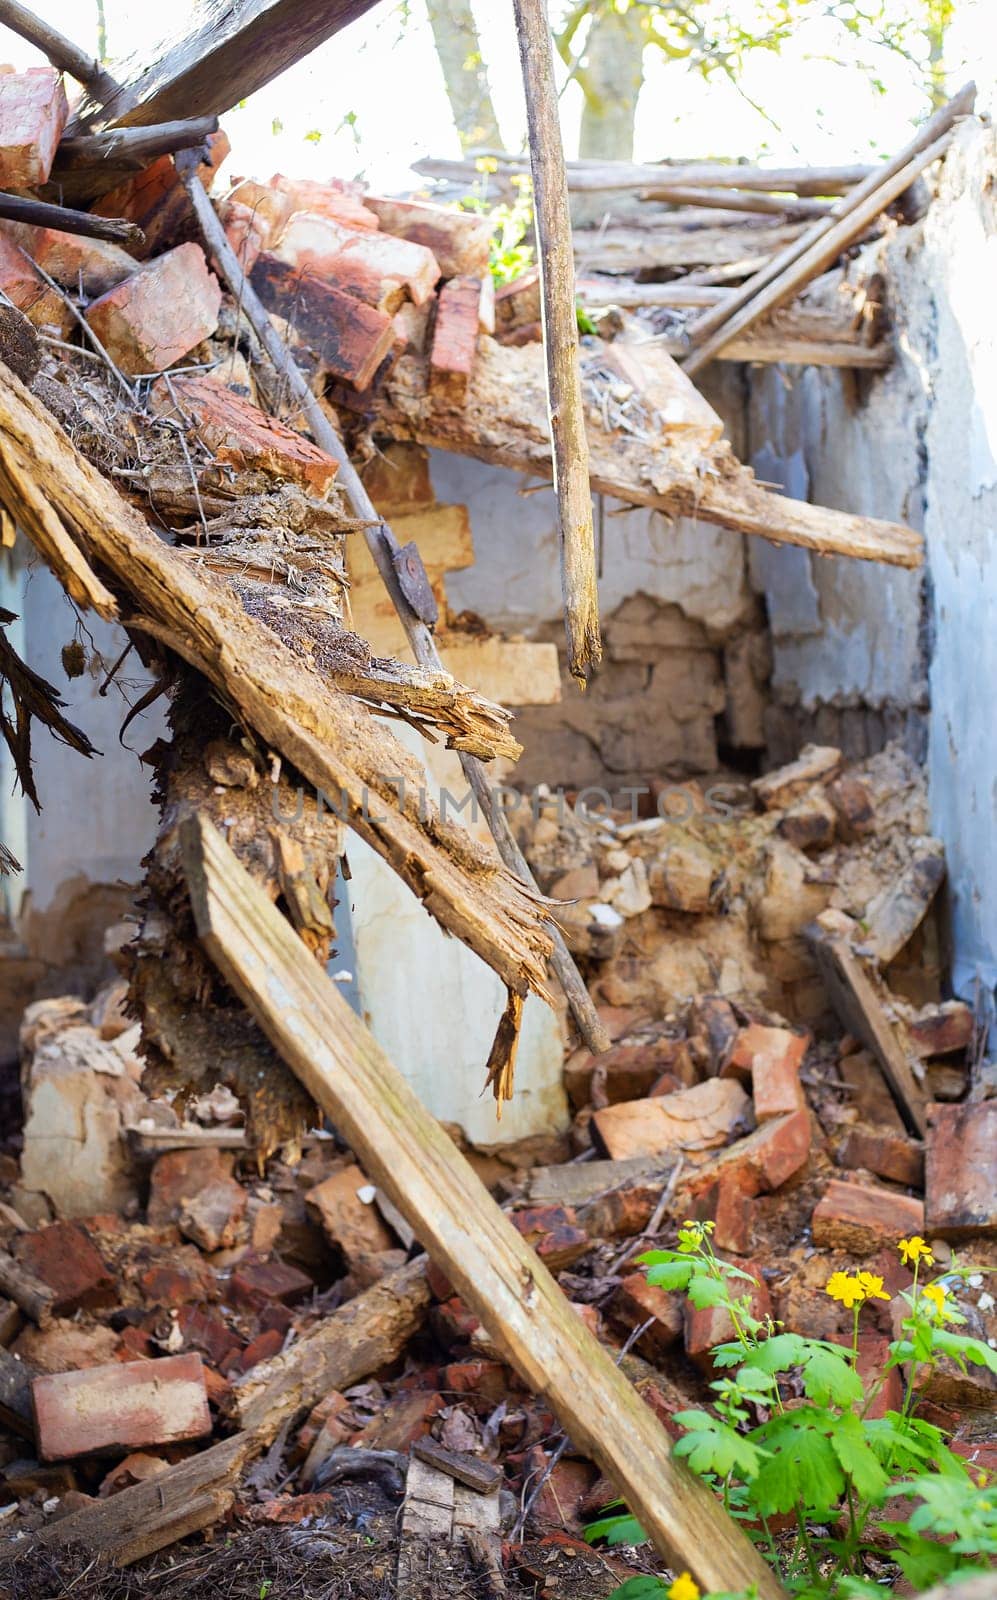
[814, 261]
[62, 52]
[406, 1153]
[383, 546]
[39, 213]
[560, 331]
[961, 104]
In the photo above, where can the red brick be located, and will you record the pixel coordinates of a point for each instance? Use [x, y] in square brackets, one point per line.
[702, 1117]
[729, 1206]
[887, 1153]
[289, 1510]
[264, 1347]
[455, 338]
[350, 1223]
[134, 1345]
[776, 1056]
[139, 1467]
[120, 1406]
[764, 1160]
[164, 1285]
[405, 1418]
[204, 1330]
[624, 1212]
[157, 201]
[874, 1352]
[453, 1322]
[256, 1282]
[339, 200]
[440, 1286]
[712, 1326]
[73, 260]
[33, 113]
[214, 1218]
[350, 338]
[374, 267]
[42, 306]
[558, 1503]
[484, 1381]
[179, 1175]
[635, 1300]
[64, 1257]
[626, 1071]
[331, 1419]
[589, 1315]
[160, 313]
[850, 1217]
[961, 1169]
[553, 1232]
[240, 433]
[460, 240]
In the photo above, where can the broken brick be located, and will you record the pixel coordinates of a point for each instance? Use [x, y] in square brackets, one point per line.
[636, 1300]
[709, 1326]
[214, 1218]
[814, 764]
[350, 338]
[405, 1418]
[682, 878]
[810, 822]
[139, 1467]
[73, 261]
[776, 1056]
[938, 1030]
[160, 313]
[554, 1233]
[853, 806]
[256, 1282]
[179, 1175]
[455, 339]
[729, 1206]
[204, 1330]
[764, 1160]
[120, 1406]
[349, 1222]
[65, 1346]
[33, 112]
[484, 1382]
[886, 1153]
[264, 1347]
[64, 1257]
[244, 436]
[338, 199]
[699, 1118]
[626, 1071]
[562, 1489]
[453, 1323]
[163, 1285]
[850, 1217]
[156, 200]
[961, 1169]
[460, 240]
[43, 306]
[369, 265]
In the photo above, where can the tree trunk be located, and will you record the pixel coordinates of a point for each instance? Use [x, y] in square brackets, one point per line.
[612, 78]
[455, 36]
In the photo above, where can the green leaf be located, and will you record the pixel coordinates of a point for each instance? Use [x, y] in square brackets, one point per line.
[782, 1351]
[643, 1587]
[616, 1530]
[852, 1449]
[705, 1292]
[670, 1274]
[712, 1446]
[962, 1349]
[800, 1465]
[829, 1377]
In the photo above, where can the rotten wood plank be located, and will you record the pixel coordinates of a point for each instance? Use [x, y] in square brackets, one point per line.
[407, 1153]
[560, 336]
[481, 1476]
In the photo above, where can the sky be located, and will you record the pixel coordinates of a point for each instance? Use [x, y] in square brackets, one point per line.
[371, 100]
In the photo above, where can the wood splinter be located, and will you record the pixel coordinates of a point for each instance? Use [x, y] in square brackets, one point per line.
[560, 331]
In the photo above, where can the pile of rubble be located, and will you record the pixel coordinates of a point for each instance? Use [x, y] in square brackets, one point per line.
[165, 1290]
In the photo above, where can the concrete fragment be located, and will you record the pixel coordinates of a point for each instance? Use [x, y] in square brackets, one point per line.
[160, 313]
[33, 112]
[122, 1406]
[861, 1220]
[683, 878]
[961, 1169]
[815, 763]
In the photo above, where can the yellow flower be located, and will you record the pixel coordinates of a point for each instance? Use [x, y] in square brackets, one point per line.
[916, 1249]
[872, 1287]
[935, 1293]
[848, 1290]
[684, 1588]
[486, 164]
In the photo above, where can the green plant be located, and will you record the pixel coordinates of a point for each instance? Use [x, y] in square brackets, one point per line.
[509, 256]
[789, 1437]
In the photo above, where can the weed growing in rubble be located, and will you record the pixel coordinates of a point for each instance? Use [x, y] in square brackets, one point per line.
[791, 1447]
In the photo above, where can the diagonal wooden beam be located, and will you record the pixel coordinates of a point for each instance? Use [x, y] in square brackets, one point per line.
[407, 1154]
[232, 50]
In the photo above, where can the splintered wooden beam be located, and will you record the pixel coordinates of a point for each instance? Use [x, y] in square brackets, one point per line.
[560, 332]
[408, 1155]
[235, 48]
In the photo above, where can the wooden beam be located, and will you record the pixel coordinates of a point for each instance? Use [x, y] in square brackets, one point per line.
[90, 166]
[587, 177]
[235, 48]
[40, 214]
[408, 1155]
[560, 334]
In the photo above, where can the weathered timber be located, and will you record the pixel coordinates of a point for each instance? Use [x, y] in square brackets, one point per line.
[407, 1153]
[560, 330]
[859, 1006]
[384, 549]
[327, 738]
[15, 1394]
[841, 222]
[481, 1476]
[94, 163]
[233, 50]
[19, 208]
[590, 176]
[503, 422]
[772, 205]
[27, 1291]
[684, 240]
